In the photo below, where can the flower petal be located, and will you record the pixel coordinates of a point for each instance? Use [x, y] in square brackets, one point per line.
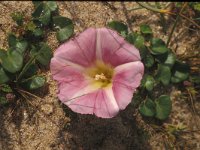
[87, 43]
[80, 50]
[100, 102]
[65, 71]
[83, 104]
[70, 91]
[123, 94]
[129, 74]
[79, 96]
[106, 105]
[114, 49]
[126, 79]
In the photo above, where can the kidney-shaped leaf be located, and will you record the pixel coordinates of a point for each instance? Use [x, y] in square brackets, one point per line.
[138, 41]
[145, 29]
[180, 72]
[167, 59]
[61, 21]
[149, 84]
[3, 76]
[147, 108]
[66, 28]
[43, 53]
[164, 74]
[158, 46]
[42, 13]
[13, 61]
[33, 83]
[65, 33]
[163, 107]
[155, 42]
[119, 27]
[16, 44]
[3, 100]
[148, 60]
[6, 88]
[52, 5]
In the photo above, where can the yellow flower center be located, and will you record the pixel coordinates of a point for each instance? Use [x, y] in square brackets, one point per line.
[101, 74]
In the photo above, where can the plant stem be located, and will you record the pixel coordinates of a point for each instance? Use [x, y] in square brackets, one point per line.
[172, 31]
[175, 23]
[135, 8]
[196, 19]
[164, 11]
[162, 18]
[26, 67]
[190, 20]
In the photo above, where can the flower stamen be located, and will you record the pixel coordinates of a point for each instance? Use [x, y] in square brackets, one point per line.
[100, 77]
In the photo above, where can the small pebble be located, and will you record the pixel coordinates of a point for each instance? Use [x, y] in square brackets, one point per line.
[47, 109]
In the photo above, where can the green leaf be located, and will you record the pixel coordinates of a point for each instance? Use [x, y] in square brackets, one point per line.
[2, 54]
[3, 76]
[147, 108]
[65, 33]
[42, 13]
[148, 61]
[164, 74]
[16, 44]
[38, 32]
[43, 53]
[12, 40]
[145, 29]
[159, 50]
[38, 10]
[158, 46]
[180, 72]
[17, 17]
[195, 79]
[31, 71]
[119, 27]
[170, 60]
[167, 58]
[45, 16]
[3, 100]
[36, 3]
[163, 107]
[61, 22]
[31, 26]
[156, 42]
[197, 7]
[6, 88]
[139, 42]
[13, 61]
[149, 83]
[66, 28]
[33, 83]
[52, 5]
[131, 37]
[21, 46]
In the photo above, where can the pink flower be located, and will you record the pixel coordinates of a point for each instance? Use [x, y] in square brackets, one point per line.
[97, 72]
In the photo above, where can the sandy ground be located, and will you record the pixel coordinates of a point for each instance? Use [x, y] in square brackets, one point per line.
[46, 124]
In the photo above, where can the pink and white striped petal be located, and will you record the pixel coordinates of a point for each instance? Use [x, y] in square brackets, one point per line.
[80, 50]
[102, 103]
[114, 49]
[125, 81]
[65, 71]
